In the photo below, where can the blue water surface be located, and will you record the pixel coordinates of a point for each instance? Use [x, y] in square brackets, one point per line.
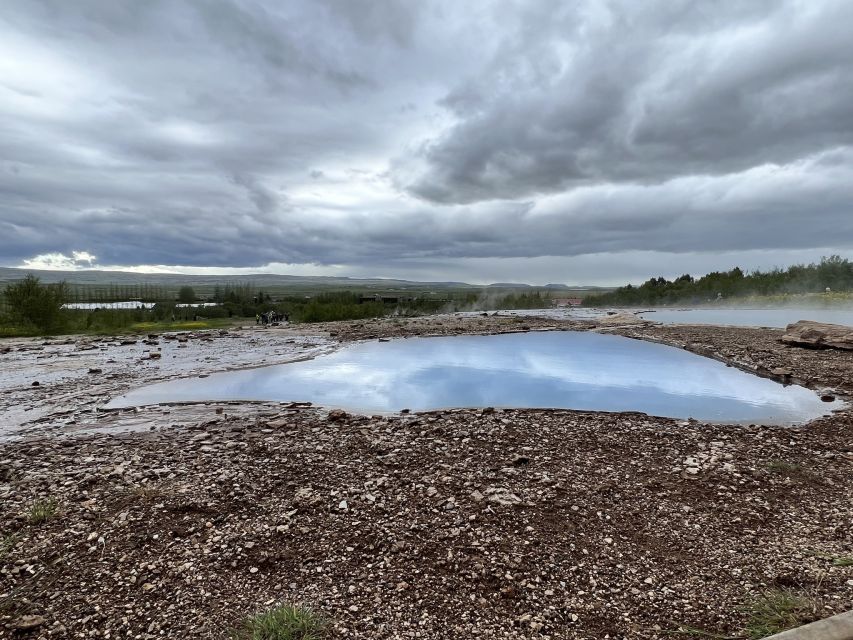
[572, 370]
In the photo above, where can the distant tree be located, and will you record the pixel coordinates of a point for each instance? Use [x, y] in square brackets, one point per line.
[833, 272]
[186, 294]
[36, 304]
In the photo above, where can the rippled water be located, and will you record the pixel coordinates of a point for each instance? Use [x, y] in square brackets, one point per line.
[556, 369]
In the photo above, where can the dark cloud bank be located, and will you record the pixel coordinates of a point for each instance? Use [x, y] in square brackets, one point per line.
[429, 139]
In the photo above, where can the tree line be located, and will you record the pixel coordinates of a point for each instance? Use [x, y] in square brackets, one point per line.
[30, 307]
[833, 273]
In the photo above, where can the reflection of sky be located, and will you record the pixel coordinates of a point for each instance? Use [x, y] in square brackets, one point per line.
[560, 369]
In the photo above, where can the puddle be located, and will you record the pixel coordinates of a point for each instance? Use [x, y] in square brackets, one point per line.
[570, 370]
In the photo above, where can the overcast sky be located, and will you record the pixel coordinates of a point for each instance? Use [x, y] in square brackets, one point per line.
[578, 142]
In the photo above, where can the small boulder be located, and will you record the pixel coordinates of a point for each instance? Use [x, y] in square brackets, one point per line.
[28, 623]
[624, 317]
[819, 335]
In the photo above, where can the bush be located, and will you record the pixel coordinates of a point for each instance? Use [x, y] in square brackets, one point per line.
[186, 294]
[34, 304]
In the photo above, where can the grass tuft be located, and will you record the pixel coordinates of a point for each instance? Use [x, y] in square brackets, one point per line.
[42, 510]
[285, 622]
[779, 610]
[845, 561]
[7, 543]
[785, 468]
[146, 493]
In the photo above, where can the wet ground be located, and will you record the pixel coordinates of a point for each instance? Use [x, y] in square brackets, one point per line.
[59, 385]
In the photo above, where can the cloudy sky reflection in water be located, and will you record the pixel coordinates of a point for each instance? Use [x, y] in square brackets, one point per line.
[555, 369]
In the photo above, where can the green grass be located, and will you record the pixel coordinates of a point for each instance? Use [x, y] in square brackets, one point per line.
[779, 610]
[11, 331]
[186, 325]
[7, 542]
[836, 561]
[284, 622]
[785, 468]
[42, 510]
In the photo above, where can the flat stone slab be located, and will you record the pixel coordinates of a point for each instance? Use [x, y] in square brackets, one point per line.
[819, 335]
[838, 627]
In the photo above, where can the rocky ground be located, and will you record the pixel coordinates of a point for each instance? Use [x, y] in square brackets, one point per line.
[757, 350]
[455, 524]
[59, 385]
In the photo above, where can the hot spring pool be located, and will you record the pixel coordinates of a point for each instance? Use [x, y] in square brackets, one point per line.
[570, 370]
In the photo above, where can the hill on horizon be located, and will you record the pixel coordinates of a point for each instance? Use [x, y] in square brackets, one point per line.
[268, 280]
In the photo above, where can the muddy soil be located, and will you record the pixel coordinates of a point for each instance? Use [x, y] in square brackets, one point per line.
[181, 521]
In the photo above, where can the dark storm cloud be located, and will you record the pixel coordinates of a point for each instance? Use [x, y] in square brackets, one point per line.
[427, 136]
[645, 94]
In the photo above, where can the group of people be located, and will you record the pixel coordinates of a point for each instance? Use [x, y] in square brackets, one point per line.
[271, 316]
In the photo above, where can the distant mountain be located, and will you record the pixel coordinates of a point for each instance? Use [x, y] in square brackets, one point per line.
[97, 277]
[259, 280]
[567, 287]
[552, 287]
[508, 285]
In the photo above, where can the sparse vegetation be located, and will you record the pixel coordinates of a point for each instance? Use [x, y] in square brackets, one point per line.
[29, 307]
[284, 622]
[7, 543]
[42, 510]
[835, 561]
[36, 306]
[146, 493]
[778, 610]
[785, 468]
[186, 294]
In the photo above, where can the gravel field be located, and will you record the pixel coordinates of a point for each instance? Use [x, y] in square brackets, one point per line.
[180, 521]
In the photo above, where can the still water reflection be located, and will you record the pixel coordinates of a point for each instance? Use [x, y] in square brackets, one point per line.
[556, 369]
